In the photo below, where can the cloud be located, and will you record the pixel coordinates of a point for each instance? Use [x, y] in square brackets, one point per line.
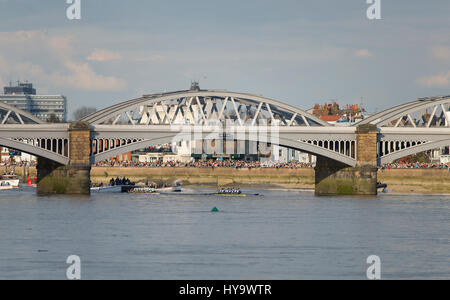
[103, 55]
[53, 61]
[441, 52]
[363, 53]
[441, 80]
[83, 77]
[151, 58]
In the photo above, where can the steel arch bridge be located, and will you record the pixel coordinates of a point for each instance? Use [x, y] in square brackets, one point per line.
[412, 127]
[22, 131]
[162, 118]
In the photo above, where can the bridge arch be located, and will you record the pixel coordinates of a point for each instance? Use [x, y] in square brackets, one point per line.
[156, 115]
[24, 132]
[405, 148]
[424, 112]
[56, 152]
[199, 106]
[13, 115]
[344, 155]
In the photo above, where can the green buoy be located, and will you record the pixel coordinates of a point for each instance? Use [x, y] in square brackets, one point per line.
[215, 209]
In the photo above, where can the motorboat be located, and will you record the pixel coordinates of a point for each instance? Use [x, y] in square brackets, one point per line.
[5, 186]
[11, 179]
[177, 188]
[230, 193]
[143, 190]
[107, 189]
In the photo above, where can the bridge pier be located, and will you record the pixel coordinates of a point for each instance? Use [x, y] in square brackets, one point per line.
[335, 178]
[73, 179]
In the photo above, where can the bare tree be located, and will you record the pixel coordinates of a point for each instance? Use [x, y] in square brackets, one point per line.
[53, 119]
[83, 112]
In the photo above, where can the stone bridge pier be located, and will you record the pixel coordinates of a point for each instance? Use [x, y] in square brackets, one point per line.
[54, 178]
[335, 178]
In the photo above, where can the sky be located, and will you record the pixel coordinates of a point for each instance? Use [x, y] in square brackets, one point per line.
[300, 52]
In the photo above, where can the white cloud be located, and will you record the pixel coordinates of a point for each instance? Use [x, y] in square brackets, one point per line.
[441, 52]
[50, 60]
[151, 58]
[441, 80]
[104, 55]
[363, 53]
[83, 77]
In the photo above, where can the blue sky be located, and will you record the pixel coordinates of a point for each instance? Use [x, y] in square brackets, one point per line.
[299, 52]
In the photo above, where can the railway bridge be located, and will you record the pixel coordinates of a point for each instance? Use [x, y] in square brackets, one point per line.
[347, 157]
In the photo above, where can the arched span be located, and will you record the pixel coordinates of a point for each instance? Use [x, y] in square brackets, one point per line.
[389, 158]
[33, 150]
[168, 139]
[202, 105]
[11, 114]
[424, 112]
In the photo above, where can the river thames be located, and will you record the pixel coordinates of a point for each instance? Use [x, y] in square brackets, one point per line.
[279, 235]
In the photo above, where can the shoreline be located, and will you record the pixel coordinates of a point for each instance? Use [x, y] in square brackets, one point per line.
[399, 181]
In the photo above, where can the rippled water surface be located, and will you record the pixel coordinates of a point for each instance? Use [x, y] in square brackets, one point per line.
[280, 235]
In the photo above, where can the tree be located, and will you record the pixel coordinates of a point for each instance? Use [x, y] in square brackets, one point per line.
[83, 112]
[53, 119]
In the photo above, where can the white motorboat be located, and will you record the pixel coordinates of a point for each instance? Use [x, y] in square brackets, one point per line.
[11, 179]
[5, 186]
[107, 189]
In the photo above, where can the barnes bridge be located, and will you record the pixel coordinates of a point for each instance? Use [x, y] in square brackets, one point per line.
[347, 157]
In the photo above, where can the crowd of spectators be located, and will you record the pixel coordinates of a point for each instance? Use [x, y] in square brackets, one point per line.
[236, 164]
[239, 164]
[18, 164]
[403, 165]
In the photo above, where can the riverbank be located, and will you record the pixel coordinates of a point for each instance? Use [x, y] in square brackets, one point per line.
[405, 181]
[285, 178]
[416, 181]
[419, 181]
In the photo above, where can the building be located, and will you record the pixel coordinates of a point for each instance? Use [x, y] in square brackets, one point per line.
[4, 155]
[44, 107]
[333, 114]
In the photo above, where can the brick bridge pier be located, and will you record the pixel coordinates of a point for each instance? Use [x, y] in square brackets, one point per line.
[335, 178]
[74, 178]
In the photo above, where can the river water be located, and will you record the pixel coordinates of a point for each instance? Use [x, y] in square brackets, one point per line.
[279, 235]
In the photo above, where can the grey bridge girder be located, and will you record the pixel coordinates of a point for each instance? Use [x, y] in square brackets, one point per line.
[313, 140]
[23, 137]
[384, 118]
[248, 99]
[33, 150]
[411, 141]
[10, 114]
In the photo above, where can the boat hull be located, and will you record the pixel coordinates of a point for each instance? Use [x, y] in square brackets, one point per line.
[107, 189]
[14, 183]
